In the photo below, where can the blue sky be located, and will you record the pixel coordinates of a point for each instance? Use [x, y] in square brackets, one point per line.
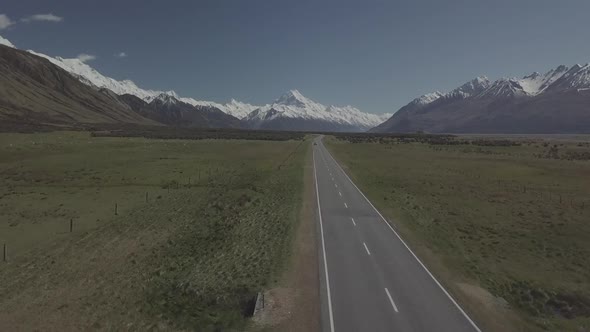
[374, 55]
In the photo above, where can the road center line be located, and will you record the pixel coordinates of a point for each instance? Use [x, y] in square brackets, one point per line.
[391, 300]
[351, 218]
[317, 192]
[367, 249]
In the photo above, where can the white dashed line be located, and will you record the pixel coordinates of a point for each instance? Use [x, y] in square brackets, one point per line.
[367, 249]
[345, 205]
[354, 223]
[391, 300]
[407, 247]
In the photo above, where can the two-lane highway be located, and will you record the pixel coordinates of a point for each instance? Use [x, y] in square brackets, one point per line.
[370, 279]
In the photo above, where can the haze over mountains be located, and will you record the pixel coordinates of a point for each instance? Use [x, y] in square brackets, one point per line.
[292, 111]
[555, 102]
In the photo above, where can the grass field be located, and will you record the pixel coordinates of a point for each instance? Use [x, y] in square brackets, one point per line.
[510, 218]
[200, 227]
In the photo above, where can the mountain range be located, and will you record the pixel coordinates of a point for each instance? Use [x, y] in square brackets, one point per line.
[555, 102]
[291, 111]
[37, 88]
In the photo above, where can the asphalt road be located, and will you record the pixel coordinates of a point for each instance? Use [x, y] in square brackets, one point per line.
[370, 279]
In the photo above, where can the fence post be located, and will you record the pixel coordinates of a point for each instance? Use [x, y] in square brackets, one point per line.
[146, 197]
[4, 253]
[71, 224]
[116, 212]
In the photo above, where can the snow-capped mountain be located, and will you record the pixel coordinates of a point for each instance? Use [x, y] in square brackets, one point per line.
[576, 77]
[293, 111]
[554, 102]
[90, 76]
[292, 105]
[35, 92]
[559, 79]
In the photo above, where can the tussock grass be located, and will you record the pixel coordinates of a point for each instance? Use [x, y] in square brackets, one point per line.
[215, 230]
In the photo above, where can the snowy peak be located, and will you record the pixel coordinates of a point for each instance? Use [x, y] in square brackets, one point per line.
[238, 108]
[577, 77]
[505, 87]
[471, 88]
[536, 83]
[427, 98]
[532, 76]
[166, 99]
[162, 96]
[293, 98]
[6, 42]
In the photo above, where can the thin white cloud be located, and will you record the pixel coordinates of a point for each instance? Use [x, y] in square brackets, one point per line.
[85, 57]
[5, 21]
[121, 55]
[42, 18]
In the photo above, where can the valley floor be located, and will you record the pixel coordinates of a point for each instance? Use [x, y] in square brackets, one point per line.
[166, 234]
[504, 224]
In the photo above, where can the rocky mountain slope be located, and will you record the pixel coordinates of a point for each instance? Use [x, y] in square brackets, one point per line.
[169, 110]
[33, 90]
[37, 89]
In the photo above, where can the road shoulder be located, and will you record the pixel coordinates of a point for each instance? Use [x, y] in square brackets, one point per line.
[294, 305]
